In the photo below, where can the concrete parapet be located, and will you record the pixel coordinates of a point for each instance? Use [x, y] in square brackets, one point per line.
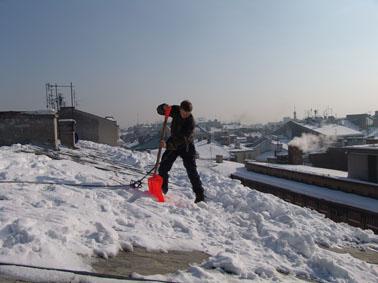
[29, 127]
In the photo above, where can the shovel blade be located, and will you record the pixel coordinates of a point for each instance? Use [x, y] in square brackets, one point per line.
[155, 184]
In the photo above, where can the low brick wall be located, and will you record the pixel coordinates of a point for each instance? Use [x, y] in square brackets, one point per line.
[28, 128]
[345, 185]
[337, 212]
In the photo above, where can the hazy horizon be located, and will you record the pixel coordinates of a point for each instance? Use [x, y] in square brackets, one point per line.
[248, 61]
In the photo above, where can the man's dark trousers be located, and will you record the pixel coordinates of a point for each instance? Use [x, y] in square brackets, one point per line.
[188, 155]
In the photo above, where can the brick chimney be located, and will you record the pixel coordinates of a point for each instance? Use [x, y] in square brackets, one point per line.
[295, 155]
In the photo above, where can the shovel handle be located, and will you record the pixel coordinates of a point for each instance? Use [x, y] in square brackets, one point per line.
[161, 138]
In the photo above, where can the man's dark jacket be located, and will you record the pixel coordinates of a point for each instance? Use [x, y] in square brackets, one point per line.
[182, 130]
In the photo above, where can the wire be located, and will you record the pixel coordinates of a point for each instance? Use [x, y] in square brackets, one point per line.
[121, 186]
[86, 273]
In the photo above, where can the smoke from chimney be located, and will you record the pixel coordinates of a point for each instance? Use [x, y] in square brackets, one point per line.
[312, 143]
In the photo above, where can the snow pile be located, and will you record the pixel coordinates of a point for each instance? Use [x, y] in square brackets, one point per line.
[249, 235]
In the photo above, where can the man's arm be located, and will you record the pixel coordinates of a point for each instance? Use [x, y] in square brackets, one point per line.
[188, 132]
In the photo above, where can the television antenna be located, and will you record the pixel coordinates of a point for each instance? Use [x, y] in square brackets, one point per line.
[55, 98]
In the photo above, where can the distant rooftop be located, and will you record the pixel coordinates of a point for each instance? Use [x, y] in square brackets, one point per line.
[373, 147]
[332, 130]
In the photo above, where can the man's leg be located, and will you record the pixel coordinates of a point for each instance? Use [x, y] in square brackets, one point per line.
[169, 156]
[189, 160]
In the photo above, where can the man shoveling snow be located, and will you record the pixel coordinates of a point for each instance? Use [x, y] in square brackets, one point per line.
[180, 143]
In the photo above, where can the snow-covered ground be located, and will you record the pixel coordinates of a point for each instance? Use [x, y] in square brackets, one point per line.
[250, 236]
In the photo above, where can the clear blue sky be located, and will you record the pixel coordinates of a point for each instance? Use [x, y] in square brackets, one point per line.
[236, 60]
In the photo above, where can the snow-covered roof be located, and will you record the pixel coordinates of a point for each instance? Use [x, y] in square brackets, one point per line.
[132, 144]
[210, 150]
[243, 149]
[253, 134]
[231, 126]
[50, 218]
[333, 130]
[215, 130]
[349, 124]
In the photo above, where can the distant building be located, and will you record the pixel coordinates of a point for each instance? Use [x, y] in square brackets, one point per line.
[92, 127]
[340, 133]
[375, 122]
[209, 124]
[333, 158]
[294, 129]
[240, 155]
[149, 143]
[265, 150]
[363, 162]
[363, 121]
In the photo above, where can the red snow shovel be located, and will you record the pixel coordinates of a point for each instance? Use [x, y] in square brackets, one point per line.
[156, 181]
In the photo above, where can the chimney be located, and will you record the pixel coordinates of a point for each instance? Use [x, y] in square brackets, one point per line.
[295, 155]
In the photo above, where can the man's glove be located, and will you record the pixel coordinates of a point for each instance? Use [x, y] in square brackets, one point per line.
[167, 110]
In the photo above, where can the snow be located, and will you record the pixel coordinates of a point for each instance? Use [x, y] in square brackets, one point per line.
[306, 169]
[334, 130]
[349, 124]
[250, 236]
[231, 126]
[254, 134]
[215, 130]
[132, 144]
